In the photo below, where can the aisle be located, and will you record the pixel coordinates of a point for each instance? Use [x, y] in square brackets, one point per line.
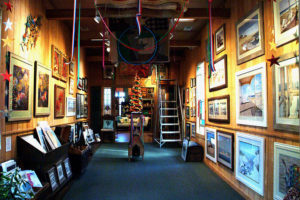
[161, 176]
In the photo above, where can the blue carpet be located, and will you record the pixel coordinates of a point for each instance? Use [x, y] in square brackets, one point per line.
[162, 175]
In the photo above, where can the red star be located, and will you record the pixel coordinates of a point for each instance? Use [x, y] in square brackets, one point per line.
[8, 6]
[6, 76]
[273, 60]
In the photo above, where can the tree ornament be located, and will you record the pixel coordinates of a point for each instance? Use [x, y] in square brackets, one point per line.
[7, 41]
[6, 76]
[8, 24]
[274, 60]
[8, 5]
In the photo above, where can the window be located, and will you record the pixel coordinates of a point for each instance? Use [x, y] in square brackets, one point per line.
[107, 101]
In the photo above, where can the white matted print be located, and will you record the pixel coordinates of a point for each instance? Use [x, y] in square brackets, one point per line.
[250, 152]
[286, 21]
[200, 99]
[251, 96]
[211, 144]
[71, 106]
[286, 168]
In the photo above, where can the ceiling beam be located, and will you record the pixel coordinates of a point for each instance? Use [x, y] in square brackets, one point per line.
[173, 44]
[87, 13]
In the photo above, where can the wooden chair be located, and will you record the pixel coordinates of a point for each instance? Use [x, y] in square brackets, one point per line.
[108, 128]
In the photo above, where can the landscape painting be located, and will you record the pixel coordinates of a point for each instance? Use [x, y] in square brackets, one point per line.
[225, 149]
[286, 169]
[250, 38]
[250, 161]
[42, 89]
[251, 96]
[219, 109]
[20, 91]
[286, 95]
[220, 42]
[286, 21]
[210, 144]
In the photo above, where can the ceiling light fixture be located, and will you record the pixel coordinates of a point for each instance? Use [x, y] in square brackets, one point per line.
[101, 34]
[97, 18]
[108, 49]
[185, 19]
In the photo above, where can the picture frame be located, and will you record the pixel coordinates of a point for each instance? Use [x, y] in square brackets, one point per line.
[218, 79]
[71, 85]
[71, 107]
[211, 144]
[193, 129]
[194, 82]
[71, 69]
[250, 161]
[55, 62]
[86, 84]
[52, 179]
[78, 106]
[187, 95]
[109, 72]
[67, 168]
[60, 173]
[187, 130]
[219, 109]
[286, 94]
[191, 83]
[20, 91]
[187, 112]
[220, 39]
[59, 99]
[42, 90]
[79, 84]
[251, 96]
[250, 35]
[64, 68]
[225, 153]
[286, 163]
[286, 21]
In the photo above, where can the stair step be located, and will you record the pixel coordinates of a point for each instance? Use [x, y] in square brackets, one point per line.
[169, 132]
[169, 116]
[168, 108]
[170, 124]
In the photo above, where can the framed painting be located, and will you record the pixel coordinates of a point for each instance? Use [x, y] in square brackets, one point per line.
[193, 129]
[71, 106]
[219, 109]
[187, 96]
[191, 83]
[188, 130]
[286, 95]
[78, 106]
[250, 35]
[211, 144]
[71, 86]
[109, 72]
[59, 99]
[20, 89]
[79, 85]
[64, 68]
[286, 21]
[250, 161]
[71, 69]
[251, 96]
[42, 89]
[67, 168]
[55, 62]
[187, 112]
[225, 154]
[52, 179]
[220, 39]
[218, 78]
[86, 84]
[286, 169]
[60, 172]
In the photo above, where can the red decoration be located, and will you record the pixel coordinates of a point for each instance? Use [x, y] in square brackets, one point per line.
[6, 76]
[274, 60]
[136, 96]
[8, 6]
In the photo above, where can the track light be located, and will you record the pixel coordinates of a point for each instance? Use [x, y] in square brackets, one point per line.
[97, 18]
[108, 49]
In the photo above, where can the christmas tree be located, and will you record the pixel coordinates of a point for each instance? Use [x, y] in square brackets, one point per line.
[136, 96]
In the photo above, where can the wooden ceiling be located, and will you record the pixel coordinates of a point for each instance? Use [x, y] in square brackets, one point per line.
[184, 36]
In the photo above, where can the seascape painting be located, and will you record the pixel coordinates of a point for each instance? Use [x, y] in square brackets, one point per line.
[225, 148]
[248, 160]
[211, 144]
[43, 90]
[251, 103]
[20, 90]
[288, 14]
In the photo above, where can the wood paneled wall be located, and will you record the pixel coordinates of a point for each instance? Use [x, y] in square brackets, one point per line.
[51, 33]
[188, 70]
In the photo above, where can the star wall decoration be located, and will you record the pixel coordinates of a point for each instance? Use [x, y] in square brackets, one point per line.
[274, 60]
[7, 41]
[8, 24]
[272, 45]
[6, 76]
[8, 5]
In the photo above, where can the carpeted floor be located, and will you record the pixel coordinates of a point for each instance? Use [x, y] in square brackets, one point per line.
[162, 175]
